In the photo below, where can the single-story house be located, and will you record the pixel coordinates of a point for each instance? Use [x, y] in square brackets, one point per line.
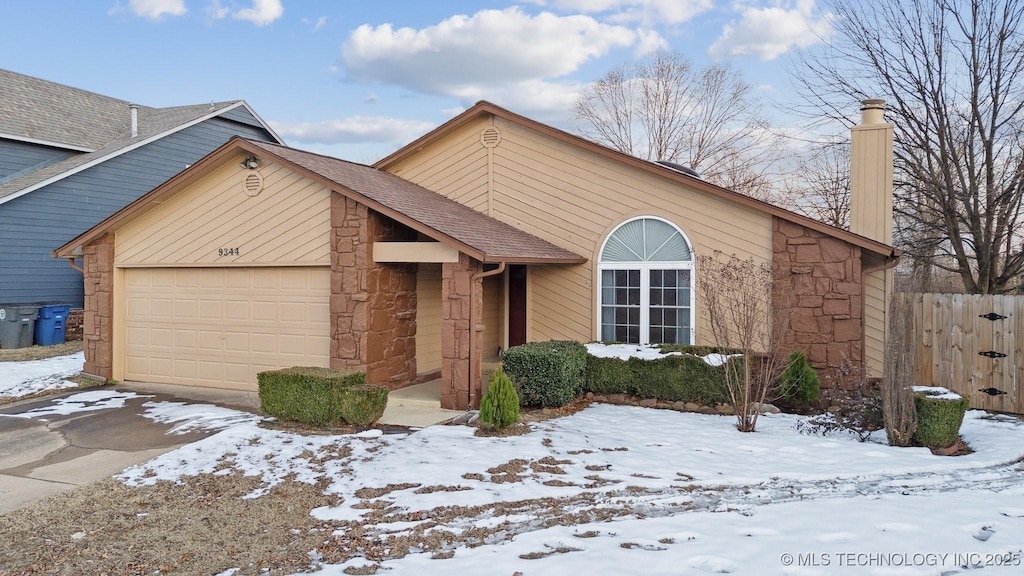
[70, 158]
[490, 231]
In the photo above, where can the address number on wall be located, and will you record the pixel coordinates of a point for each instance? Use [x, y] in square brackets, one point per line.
[228, 252]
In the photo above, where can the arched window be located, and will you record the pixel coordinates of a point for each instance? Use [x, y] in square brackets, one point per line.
[646, 275]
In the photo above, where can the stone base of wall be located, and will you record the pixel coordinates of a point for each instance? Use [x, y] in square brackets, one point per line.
[73, 325]
[822, 285]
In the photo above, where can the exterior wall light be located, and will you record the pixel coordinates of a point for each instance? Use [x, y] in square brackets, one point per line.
[251, 163]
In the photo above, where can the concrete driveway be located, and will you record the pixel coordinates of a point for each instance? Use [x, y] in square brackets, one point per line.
[56, 451]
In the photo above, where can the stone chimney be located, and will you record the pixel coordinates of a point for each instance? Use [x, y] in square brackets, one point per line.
[871, 161]
[134, 109]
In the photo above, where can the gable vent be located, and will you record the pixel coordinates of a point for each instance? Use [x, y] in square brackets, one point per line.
[490, 137]
[253, 184]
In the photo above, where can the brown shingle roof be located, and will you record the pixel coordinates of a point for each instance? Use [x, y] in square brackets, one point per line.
[477, 234]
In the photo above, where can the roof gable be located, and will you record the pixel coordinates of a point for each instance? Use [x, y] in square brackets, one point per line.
[485, 109]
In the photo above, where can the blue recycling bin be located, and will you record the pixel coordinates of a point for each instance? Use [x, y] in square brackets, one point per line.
[51, 324]
[16, 325]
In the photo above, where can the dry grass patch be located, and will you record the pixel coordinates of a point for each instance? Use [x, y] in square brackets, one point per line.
[200, 526]
[39, 352]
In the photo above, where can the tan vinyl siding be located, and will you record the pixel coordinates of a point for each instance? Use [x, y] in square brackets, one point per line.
[428, 318]
[575, 198]
[286, 224]
[456, 167]
[876, 284]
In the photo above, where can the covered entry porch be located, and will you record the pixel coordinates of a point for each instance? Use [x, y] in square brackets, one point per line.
[467, 312]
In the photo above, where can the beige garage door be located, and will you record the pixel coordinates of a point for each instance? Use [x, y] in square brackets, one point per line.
[220, 326]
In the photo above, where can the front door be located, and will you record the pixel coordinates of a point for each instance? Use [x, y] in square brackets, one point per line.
[516, 305]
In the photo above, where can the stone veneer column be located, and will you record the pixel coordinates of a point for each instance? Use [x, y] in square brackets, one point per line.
[98, 318]
[458, 376]
[373, 306]
[826, 294]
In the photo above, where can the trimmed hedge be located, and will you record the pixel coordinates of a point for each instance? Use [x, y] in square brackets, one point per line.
[320, 396]
[938, 420]
[362, 405]
[546, 373]
[688, 377]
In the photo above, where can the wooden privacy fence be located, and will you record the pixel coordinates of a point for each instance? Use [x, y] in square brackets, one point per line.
[968, 343]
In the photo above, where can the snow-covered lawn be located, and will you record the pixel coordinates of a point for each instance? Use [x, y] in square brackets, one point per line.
[626, 490]
[670, 492]
[23, 378]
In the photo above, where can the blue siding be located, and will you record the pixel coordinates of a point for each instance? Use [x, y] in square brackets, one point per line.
[20, 158]
[34, 225]
[242, 116]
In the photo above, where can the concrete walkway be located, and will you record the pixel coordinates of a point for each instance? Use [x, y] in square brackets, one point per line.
[417, 406]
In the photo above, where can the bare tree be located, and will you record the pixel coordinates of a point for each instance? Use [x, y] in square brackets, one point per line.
[898, 409]
[665, 108]
[952, 73]
[737, 298]
[820, 187]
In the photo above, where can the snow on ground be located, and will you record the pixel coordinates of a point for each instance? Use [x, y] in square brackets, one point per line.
[644, 352]
[627, 490]
[677, 493]
[90, 401]
[23, 378]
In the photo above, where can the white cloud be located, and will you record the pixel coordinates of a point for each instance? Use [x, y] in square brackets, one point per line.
[492, 49]
[354, 129]
[769, 32]
[650, 41]
[263, 12]
[214, 10]
[317, 24]
[157, 9]
[647, 12]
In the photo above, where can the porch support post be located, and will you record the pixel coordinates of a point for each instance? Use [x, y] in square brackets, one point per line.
[459, 304]
[98, 320]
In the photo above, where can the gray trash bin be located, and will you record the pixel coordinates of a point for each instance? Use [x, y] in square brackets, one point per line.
[17, 325]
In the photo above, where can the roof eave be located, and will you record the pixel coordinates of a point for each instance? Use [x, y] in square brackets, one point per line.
[51, 144]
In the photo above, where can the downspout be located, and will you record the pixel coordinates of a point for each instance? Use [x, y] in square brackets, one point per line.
[473, 337]
[71, 262]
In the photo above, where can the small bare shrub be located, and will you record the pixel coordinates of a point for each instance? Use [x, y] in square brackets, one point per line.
[855, 405]
[898, 410]
[737, 298]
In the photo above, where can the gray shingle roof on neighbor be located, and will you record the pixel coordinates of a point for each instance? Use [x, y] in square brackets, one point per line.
[41, 111]
[49, 112]
[492, 239]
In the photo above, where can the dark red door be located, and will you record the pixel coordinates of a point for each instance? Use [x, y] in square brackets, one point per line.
[516, 304]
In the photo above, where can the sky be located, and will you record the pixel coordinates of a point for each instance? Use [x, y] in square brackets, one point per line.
[357, 79]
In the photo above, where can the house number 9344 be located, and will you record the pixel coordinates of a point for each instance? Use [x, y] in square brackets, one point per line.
[227, 252]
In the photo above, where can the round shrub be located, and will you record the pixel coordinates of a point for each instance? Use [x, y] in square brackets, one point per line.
[500, 405]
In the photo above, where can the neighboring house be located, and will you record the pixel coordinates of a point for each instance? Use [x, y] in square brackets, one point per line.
[490, 231]
[70, 158]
